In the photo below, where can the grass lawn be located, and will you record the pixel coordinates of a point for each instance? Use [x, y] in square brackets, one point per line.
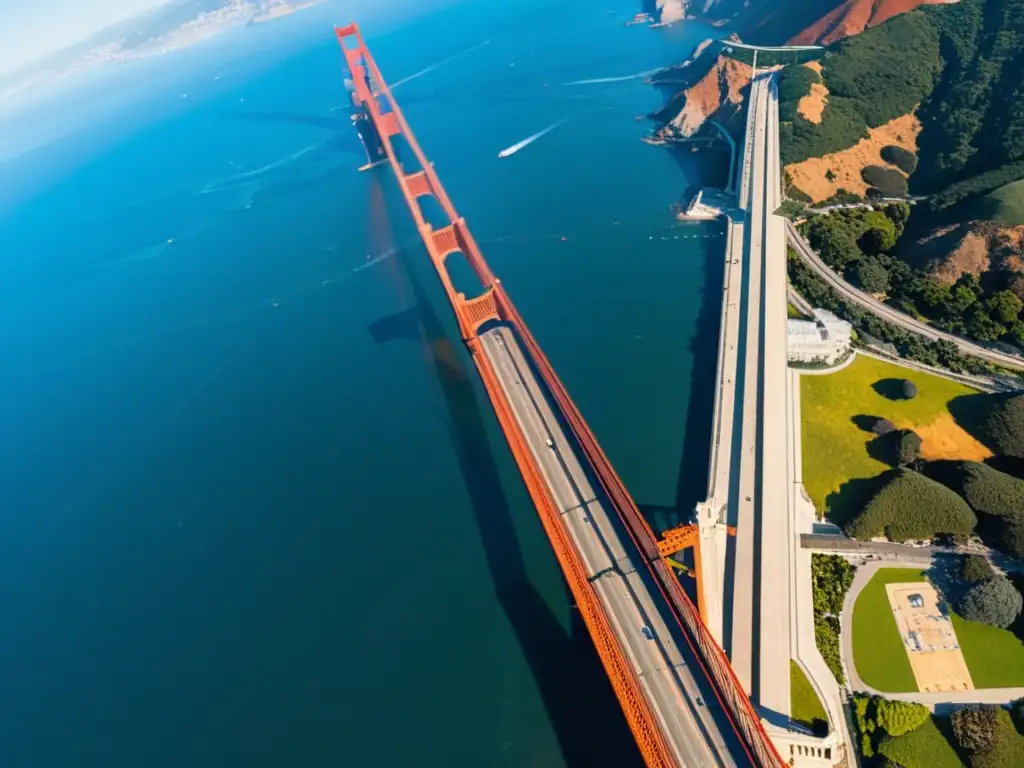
[837, 412]
[994, 656]
[878, 652]
[924, 747]
[805, 704]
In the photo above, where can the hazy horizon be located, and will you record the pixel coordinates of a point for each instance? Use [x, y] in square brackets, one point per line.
[32, 32]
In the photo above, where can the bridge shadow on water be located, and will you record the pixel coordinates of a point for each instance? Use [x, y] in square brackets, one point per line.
[577, 696]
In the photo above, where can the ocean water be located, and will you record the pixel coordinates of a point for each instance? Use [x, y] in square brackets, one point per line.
[255, 509]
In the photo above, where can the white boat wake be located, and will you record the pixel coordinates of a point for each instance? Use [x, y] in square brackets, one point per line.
[441, 63]
[530, 139]
[620, 79]
[241, 178]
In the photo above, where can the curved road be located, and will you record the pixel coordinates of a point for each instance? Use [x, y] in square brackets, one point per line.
[847, 291]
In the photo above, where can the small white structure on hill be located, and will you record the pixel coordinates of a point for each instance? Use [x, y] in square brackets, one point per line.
[825, 339]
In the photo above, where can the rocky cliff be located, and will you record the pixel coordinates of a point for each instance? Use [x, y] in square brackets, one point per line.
[808, 22]
[852, 17]
[718, 93]
[671, 10]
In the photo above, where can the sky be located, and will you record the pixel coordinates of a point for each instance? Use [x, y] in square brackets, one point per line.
[31, 29]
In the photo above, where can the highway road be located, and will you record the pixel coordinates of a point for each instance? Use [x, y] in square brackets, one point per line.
[775, 530]
[692, 722]
[745, 456]
[760, 603]
[720, 508]
[869, 302]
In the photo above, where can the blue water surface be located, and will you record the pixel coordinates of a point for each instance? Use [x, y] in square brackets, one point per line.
[255, 509]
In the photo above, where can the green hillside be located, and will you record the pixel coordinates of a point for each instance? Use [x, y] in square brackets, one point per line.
[960, 65]
[1005, 205]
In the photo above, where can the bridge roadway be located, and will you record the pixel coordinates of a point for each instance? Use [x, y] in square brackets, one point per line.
[746, 580]
[690, 718]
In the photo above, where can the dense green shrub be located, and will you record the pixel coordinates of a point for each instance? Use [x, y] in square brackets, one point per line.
[842, 125]
[899, 717]
[1005, 749]
[878, 240]
[841, 236]
[880, 719]
[994, 601]
[794, 83]
[997, 498]
[1003, 426]
[887, 70]
[974, 121]
[826, 637]
[887, 181]
[923, 747]
[871, 275]
[975, 726]
[910, 506]
[902, 158]
[975, 568]
[1004, 306]
[831, 577]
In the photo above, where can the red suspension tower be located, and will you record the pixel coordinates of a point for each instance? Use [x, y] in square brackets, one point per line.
[377, 106]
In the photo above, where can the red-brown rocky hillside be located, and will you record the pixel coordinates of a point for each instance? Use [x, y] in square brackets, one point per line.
[852, 17]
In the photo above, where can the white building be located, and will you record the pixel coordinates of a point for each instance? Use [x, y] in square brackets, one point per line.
[825, 339]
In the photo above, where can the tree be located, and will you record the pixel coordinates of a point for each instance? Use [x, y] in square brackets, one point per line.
[902, 158]
[975, 726]
[872, 276]
[981, 325]
[839, 249]
[898, 214]
[909, 389]
[936, 297]
[998, 500]
[1004, 307]
[961, 298]
[971, 282]
[996, 602]
[888, 182]
[1005, 748]
[878, 240]
[1003, 426]
[1016, 333]
[910, 506]
[909, 447]
[883, 427]
[975, 568]
[899, 717]
[831, 577]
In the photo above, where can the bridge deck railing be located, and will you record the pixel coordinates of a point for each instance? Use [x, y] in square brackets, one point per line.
[370, 87]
